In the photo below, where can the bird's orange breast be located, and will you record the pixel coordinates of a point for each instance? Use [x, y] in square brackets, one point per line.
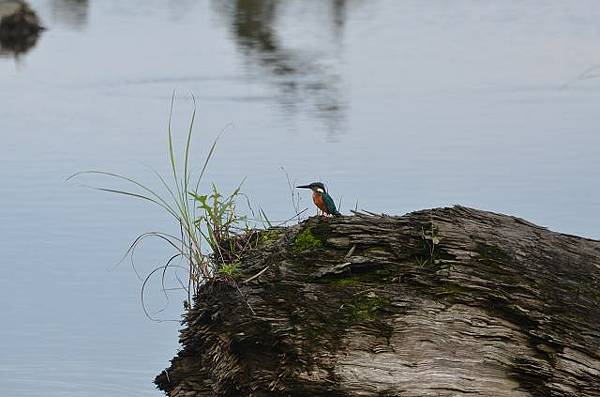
[318, 200]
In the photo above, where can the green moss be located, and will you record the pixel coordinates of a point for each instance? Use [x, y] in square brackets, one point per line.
[366, 307]
[267, 238]
[493, 253]
[451, 290]
[306, 241]
[595, 295]
[375, 250]
[497, 263]
[347, 282]
[374, 277]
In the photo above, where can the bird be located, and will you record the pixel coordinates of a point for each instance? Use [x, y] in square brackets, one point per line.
[321, 198]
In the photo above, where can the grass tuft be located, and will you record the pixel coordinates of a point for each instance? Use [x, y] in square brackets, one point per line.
[230, 270]
[212, 234]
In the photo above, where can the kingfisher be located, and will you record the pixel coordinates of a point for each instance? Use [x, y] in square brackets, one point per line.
[321, 198]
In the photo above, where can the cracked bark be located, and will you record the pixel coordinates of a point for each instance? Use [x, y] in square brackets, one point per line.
[443, 302]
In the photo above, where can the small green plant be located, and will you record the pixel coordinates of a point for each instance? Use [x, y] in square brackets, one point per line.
[220, 224]
[421, 261]
[432, 240]
[230, 270]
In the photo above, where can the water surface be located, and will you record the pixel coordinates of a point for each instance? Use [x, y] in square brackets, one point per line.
[396, 105]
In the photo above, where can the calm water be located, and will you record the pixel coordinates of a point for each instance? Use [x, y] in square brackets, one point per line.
[395, 104]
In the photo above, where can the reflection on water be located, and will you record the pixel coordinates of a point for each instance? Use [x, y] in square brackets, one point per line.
[339, 13]
[486, 104]
[20, 28]
[72, 13]
[301, 75]
[15, 47]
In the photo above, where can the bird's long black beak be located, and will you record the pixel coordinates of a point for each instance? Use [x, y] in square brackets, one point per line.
[303, 187]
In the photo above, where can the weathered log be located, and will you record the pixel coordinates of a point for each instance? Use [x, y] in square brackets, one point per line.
[20, 26]
[442, 302]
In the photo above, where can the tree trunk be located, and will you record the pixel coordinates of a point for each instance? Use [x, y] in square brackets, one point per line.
[443, 302]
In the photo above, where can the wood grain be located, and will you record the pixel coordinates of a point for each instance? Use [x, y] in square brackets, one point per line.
[443, 302]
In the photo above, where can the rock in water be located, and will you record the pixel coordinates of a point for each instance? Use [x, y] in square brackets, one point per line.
[442, 302]
[19, 26]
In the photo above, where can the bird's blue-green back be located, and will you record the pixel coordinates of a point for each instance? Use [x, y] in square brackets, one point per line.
[330, 204]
